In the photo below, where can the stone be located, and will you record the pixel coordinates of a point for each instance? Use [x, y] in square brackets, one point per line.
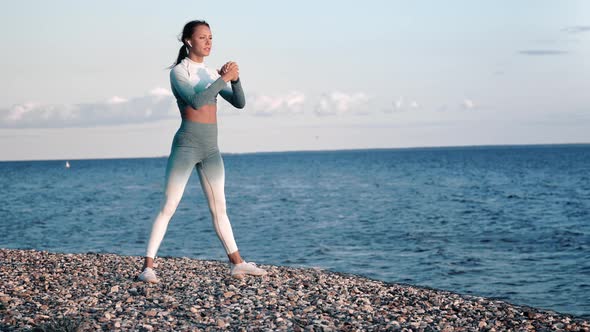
[201, 296]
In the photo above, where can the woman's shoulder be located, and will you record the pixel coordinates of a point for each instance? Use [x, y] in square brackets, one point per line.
[180, 65]
[179, 69]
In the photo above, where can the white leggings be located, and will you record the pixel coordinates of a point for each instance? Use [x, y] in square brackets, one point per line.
[194, 146]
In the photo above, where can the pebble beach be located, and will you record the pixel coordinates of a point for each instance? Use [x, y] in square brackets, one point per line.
[45, 291]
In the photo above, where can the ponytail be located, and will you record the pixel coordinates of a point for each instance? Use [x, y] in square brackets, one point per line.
[182, 53]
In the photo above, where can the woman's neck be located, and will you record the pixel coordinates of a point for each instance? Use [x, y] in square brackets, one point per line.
[195, 58]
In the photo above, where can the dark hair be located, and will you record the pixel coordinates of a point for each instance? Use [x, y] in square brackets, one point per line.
[187, 32]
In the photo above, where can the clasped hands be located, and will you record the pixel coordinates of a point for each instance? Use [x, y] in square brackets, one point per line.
[229, 71]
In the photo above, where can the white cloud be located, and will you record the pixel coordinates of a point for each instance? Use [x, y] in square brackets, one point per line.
[156, 105]
[290, 103]
[161, 92]
[468, 104]
[116, 100]
[400, 105]
[338, 103]
[159, 103]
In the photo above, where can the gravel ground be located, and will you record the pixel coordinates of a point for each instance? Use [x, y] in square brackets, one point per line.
[43, 291]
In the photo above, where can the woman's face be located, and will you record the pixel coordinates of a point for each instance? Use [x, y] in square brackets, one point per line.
[201, 40]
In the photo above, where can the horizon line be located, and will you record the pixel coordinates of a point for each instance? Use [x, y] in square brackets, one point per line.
[329, 150]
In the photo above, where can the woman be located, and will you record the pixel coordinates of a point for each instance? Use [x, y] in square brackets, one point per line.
[195, 87]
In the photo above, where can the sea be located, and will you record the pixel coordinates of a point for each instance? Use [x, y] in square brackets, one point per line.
[506, 222]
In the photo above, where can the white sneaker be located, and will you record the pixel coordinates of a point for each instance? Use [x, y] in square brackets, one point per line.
[148, 275]
[243, 268]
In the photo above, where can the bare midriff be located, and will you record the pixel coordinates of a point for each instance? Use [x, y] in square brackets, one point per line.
[204, 114]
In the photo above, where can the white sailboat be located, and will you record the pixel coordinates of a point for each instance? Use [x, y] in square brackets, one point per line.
[67, 164]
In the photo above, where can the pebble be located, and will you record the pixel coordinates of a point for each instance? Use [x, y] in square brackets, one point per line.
[220, 323]
[100, 292]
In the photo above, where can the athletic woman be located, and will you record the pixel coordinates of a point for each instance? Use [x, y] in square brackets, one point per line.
[195, 88]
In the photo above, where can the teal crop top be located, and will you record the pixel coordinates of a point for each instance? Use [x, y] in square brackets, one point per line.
[195, 84]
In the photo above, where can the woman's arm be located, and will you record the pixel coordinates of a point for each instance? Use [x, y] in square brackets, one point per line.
[179, 81]
[235, 96]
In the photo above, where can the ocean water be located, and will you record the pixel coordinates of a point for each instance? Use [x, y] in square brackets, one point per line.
[508, 222]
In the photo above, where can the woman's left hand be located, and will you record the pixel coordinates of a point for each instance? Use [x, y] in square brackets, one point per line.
[229, 66]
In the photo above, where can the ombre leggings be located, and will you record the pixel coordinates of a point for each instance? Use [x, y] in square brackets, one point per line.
[194, 146]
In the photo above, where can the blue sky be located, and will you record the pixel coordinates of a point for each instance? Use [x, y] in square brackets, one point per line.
[89, 80]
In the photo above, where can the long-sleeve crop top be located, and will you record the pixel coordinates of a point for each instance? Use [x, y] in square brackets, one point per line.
[195, 84]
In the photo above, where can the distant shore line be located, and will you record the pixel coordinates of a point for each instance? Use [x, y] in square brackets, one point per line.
[98, 291]
[445, 147]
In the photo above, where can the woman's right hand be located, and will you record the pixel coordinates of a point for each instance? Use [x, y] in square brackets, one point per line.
[229, 71]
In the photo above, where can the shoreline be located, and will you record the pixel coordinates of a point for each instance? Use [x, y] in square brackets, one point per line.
[98, 291]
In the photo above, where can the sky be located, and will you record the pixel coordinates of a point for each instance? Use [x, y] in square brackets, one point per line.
[89, 79]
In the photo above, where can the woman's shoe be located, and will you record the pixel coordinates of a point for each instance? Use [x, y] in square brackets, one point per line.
[241, 269]
[148, 275]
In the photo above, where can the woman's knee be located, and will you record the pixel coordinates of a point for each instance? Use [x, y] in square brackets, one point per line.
[217, 208]
[169, 206]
